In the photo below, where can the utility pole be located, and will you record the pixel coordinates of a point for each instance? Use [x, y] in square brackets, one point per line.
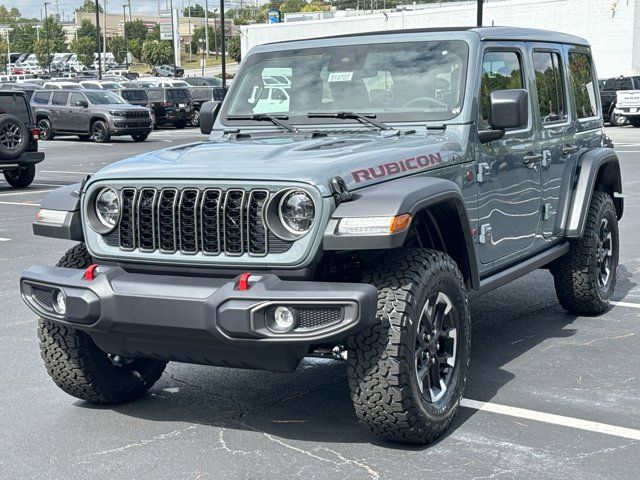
[190, 36]
[206, 27]
[126, 43]
[222, 45]
[98, 40]
[480, 5]
[104, 32]
[215, 33]
[46, 17]
[173, 38]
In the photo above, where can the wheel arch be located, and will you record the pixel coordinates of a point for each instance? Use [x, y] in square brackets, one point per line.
[65, 199]
[437, 209]
[598, 170]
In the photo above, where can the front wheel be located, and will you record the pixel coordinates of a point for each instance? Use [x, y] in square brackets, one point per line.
[20, 177]
[407, 373]
[140, 137]
[100, 132]
[80, 368]
[585, 277]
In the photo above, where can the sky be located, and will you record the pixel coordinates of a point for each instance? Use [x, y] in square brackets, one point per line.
[31, 8]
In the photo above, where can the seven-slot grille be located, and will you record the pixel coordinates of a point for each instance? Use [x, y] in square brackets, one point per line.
[192, 220]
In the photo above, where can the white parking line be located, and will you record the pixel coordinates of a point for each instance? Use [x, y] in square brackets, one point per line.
[626, 304]
[5, 239]
[552, 419]
[11, 194]
[19, 203]
[67, 171]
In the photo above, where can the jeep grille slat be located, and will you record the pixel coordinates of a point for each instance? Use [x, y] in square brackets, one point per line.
[190, 220]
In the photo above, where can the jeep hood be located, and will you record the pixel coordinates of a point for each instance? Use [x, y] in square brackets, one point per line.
[361, 159]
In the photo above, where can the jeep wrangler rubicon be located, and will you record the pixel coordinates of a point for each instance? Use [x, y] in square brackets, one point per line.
[349, 219]
[18, 139]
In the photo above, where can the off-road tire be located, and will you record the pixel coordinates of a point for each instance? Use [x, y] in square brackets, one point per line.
[195, 119]
[381, 360]
[140, 137]
[14, 137]
[46, 131]
[20, 177]
[100, 132]
[80, 368]
[576, 274]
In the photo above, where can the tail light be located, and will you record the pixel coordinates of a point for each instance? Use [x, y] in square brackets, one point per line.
[35, 134]
[167, 104]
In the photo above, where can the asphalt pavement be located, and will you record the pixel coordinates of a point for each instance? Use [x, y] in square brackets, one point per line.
[550, 395]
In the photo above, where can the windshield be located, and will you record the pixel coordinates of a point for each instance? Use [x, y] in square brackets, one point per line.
[104, 98]
[417, 81]
[177, 94]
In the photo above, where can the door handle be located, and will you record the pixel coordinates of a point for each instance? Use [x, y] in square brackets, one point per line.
[569, 149]
[530, 160]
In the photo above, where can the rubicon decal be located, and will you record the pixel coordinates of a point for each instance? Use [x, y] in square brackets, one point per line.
[394, 168]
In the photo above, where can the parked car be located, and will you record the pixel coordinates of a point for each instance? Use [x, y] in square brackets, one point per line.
[200, 95]
[143, 84]
[59, 85]
[609, 92]
[167, 71]
[628, 106]
[27, 88]
[204, 81]
[95, 114]
[341, 227]
[170, 106]
[134, 96]
[18, 139]
[172, 83]
[100, 85]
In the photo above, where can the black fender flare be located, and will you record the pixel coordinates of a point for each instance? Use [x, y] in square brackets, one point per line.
[98, 116]
[598, 168]
[65, 199]
[408, 195]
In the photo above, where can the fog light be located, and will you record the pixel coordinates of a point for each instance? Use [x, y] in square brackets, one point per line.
[283, 320]
[60, 302]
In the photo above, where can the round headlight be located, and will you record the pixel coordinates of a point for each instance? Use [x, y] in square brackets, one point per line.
[297, 212]
[107, 207]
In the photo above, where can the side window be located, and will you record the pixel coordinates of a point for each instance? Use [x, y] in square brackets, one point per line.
[624, 84]
[582, 84]
[41, 98]
[550, 86]
[74, 97]
[500, 71]
[609, 84]
[59, 98]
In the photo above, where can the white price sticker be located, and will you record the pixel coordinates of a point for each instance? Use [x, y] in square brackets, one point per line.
[340, 76]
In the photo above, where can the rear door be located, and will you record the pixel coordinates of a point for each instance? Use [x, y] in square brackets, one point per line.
[78, 117]
[59, 110]
[557, 137]
[509, 189]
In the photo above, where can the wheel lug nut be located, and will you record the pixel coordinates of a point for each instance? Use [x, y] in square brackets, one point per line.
[429, 337]
[433, 359]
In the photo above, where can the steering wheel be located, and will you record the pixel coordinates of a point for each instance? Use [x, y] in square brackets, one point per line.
[417, 102]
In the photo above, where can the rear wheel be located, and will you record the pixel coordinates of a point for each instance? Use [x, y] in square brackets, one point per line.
[635, 122]
[613, 118]
[20, 177]
[140, 137]
[46, 132]
[100, 132]
[80, 368]
[407, 373]
[195, 120]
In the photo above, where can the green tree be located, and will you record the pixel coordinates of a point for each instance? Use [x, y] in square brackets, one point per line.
[136, 30]
[84, 48]
[89, 6]
[3, 54]
[198, 34]
[9, 16]
[43, 52]
[135, 47]
[155, 52]
[53, 33]
[154, 34]
[233, 48]
[118, 46]
[22, 36]
[86, 29]
[197, 10]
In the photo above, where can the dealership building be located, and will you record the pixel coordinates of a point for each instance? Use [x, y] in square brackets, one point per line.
[611, 26]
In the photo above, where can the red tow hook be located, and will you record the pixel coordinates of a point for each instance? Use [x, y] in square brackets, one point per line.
[90, 272]
[243, 282]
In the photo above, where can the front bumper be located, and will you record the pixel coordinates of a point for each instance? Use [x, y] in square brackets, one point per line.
[197, 319]
[123, 126]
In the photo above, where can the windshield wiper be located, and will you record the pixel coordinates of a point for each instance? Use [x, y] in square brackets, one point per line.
[263, 117]
[361, 117]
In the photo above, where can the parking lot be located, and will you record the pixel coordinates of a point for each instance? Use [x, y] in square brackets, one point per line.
[550, 395]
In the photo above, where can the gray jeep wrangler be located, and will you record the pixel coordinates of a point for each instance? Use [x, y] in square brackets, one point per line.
[347, 216]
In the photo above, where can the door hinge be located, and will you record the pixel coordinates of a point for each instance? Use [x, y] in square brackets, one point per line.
[485, 233]
[484, 172]
[547, 209]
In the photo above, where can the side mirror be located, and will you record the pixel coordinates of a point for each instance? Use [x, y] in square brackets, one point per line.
[82, 103]
[507, 109]
[208, 113]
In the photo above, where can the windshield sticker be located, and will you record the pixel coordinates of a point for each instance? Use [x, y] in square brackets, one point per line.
[393, 168]
[340, 76]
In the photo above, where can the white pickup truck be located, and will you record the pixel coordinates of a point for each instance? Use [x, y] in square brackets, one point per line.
[628, 105]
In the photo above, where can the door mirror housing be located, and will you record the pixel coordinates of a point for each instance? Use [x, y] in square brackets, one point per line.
[82, 103]
[208, 113]
[507, 109]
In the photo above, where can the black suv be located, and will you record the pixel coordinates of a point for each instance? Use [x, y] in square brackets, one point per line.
[170, 105]
[608, 94]
[95, 114]
[18, 139]
[199, 95]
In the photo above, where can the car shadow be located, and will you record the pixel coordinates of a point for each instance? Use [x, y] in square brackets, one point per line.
[313, 403]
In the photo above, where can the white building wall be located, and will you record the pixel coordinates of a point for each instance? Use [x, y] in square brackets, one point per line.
[614, 35]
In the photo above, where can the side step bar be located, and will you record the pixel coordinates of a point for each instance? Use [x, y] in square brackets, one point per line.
[507, 275]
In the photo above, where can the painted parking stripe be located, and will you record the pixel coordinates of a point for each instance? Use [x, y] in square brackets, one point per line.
[550, 418]
[626, 304]
[24, 204]
[67, 171]
[11, 194]
[5, 239]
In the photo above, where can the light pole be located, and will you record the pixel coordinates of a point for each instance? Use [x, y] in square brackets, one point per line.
[104, 35]
[190, 36]
[206, 26]
[215, 33]
[201, 44]
[222, 45]
[173, 38]
[126, 42]
[480, 5]
[46, 17]
[98, 40]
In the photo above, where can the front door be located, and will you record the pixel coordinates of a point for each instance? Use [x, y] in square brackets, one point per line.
[509, 184]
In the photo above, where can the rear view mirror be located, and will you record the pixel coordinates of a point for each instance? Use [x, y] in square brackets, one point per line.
[208, 113]
[82, 103]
